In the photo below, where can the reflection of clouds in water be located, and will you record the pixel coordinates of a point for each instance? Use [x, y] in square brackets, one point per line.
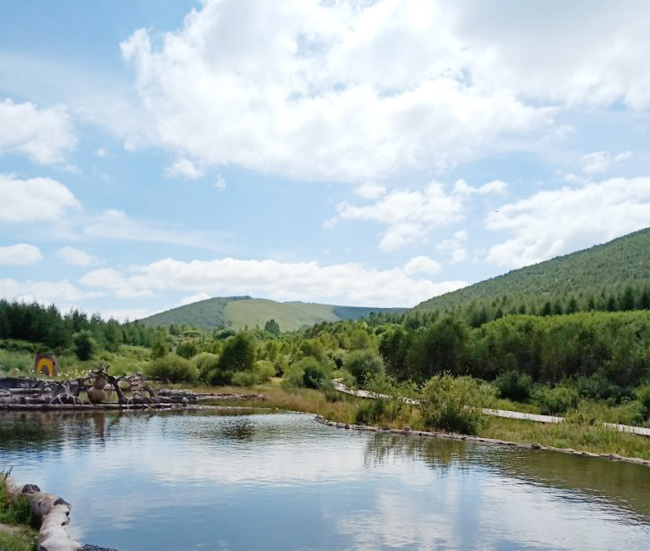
[549, 518]
[375, 491]
[400, 522]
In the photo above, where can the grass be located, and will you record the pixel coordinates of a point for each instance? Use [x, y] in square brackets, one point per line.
[596, 439]
[17, 524]
[343, 408]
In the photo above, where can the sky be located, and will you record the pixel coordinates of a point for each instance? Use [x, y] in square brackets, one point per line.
[355, 152]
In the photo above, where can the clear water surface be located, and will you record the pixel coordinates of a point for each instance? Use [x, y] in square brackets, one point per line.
[206, 481]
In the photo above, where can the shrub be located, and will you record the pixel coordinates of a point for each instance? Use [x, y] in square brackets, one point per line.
[514, 385]
[244, 378]
[370, 412]
[555, 401]
[205, 362]
[599, 387]
[453, 404]
[363, 364]
[264, 369]
[173, 368]
[643, 397]
[238, 354]
[308, 372]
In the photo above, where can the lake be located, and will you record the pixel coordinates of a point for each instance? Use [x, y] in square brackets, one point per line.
[197, 480]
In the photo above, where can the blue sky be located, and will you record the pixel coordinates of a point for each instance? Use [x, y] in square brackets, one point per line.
[153, 153]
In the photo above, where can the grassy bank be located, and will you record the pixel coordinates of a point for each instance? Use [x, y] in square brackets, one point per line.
[16, 523]
[345, 409]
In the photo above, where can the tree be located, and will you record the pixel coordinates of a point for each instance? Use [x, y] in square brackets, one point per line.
[238, 354]
[363, 364]
[84, 345]
[272, 326]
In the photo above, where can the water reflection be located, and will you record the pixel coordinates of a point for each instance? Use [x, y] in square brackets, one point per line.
[184, 480]
[627, 485]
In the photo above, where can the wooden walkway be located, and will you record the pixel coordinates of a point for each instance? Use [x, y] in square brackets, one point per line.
[642, 431]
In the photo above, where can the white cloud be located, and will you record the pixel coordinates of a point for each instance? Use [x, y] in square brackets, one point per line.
[421, 265]
[115, 224]
[412, 214]
[322, 91]
[600, 162]
[20, 254]
[36, 199]
[101, 152]
[220, 182]
[307, 281]
[455, 247]
[183, 168]
[77, 257]
[551, 223]
[41, 134]
[370, 191]
[44, 292]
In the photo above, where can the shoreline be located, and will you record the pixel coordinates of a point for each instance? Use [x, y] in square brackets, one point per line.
[481, 440]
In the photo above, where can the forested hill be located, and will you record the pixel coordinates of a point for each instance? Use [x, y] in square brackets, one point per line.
[240, 312]
[613, 276]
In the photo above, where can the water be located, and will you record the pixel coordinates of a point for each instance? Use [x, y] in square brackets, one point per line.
[204, 481]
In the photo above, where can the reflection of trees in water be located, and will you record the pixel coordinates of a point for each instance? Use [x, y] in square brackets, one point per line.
[37, 431]
[628, 485]
[438, 454]
[238, 428]
[624, 484]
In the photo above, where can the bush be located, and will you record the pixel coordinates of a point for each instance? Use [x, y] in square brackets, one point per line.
[173, 368]
[514, 385]
[453, 404]
[264, 370]
[599, 387]
[555, 401]
[370, 412]
[206, 362]
[310, 373]
[363, 364]
[244, 378]
[238, 354]
[643, 397]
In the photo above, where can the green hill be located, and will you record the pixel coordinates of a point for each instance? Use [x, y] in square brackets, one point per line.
[240, 312]
[612, 276]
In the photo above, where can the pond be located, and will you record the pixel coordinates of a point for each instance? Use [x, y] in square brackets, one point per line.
[208, 481]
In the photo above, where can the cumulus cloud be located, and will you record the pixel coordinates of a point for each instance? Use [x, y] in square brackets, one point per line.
[44, 292]
[421, 265]
[370, 191]
[77, 257]
[552, 223]
[35, 199]
[600, 162]
[322, 91]
[410, 215]
[183, 168]
[455, 247]
[20, 254]
[307, 281]
[44, 135]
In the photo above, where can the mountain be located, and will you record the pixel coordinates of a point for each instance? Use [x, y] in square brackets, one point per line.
[239, 312]
[595, 278]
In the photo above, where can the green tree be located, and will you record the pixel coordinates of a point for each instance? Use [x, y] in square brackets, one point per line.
[84, 345]
[272, 326]
[363, 364]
